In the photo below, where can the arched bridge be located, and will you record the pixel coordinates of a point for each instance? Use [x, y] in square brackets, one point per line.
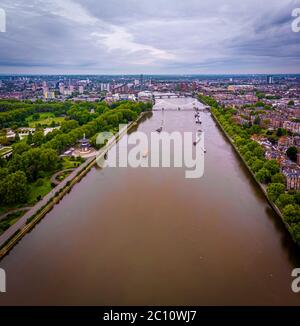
[171, 95]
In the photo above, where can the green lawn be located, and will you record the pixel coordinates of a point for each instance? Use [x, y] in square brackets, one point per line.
[39, 188]
[46, 118]
[67, 163]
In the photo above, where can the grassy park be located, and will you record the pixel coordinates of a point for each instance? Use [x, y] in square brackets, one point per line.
[44, 119]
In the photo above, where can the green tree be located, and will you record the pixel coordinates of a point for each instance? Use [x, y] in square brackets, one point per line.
[19, 148]
[34, 161]
[14, 188]
[284, 200]
[68, 125]
[258, 152]
[272, 166]
[292, 153]
[291, 214]
[263, 175]
[257, 165]
[38, 138]
[29, 139]
[275, 190]
[278, 178]
[248, 156]
[3, 173]
[281, 132]
[295, 231]
[297, 197]
[17, 137]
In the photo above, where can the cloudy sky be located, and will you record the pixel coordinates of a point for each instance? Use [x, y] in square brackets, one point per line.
[149, 36]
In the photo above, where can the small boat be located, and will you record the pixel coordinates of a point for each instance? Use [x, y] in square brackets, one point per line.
[204, 149]
[196, 141]
[179, 109]
[159, 129]
[145, 154]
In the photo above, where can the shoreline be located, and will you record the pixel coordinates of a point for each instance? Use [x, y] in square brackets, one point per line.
[261, 187]
[57, 194]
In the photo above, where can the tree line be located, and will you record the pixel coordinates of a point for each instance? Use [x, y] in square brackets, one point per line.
[38, 157]
[266, 171]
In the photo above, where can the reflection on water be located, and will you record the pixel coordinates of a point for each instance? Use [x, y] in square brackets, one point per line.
[150, 236]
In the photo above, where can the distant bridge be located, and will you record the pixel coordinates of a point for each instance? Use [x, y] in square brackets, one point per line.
[182, 108]
[172, 95]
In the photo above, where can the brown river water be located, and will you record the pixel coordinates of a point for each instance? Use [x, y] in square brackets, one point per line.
[149, 236]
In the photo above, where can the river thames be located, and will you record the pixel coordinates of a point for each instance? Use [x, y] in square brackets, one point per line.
[149, 236]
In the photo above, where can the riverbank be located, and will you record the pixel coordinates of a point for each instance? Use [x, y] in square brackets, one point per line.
[260, 185]
[14, 234]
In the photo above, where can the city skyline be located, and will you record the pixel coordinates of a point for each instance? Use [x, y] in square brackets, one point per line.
[164, 37]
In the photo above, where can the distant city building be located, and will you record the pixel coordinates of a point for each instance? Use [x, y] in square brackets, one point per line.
[49, 95]
[270, 80]
[62, 89]
[141, 82]
[81, 89]
[105, 87]
[145, 96]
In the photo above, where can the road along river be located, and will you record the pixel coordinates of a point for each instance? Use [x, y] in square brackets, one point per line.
[150, 236]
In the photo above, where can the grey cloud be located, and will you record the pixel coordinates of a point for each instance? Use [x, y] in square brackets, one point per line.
[134, 36]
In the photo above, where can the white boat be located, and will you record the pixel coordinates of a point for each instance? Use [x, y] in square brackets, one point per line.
[198, 138]
[145, 154]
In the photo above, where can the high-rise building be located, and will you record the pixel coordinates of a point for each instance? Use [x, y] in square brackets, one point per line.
[270, 79]
[62, 88]
[141, 82]
[45, 90]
